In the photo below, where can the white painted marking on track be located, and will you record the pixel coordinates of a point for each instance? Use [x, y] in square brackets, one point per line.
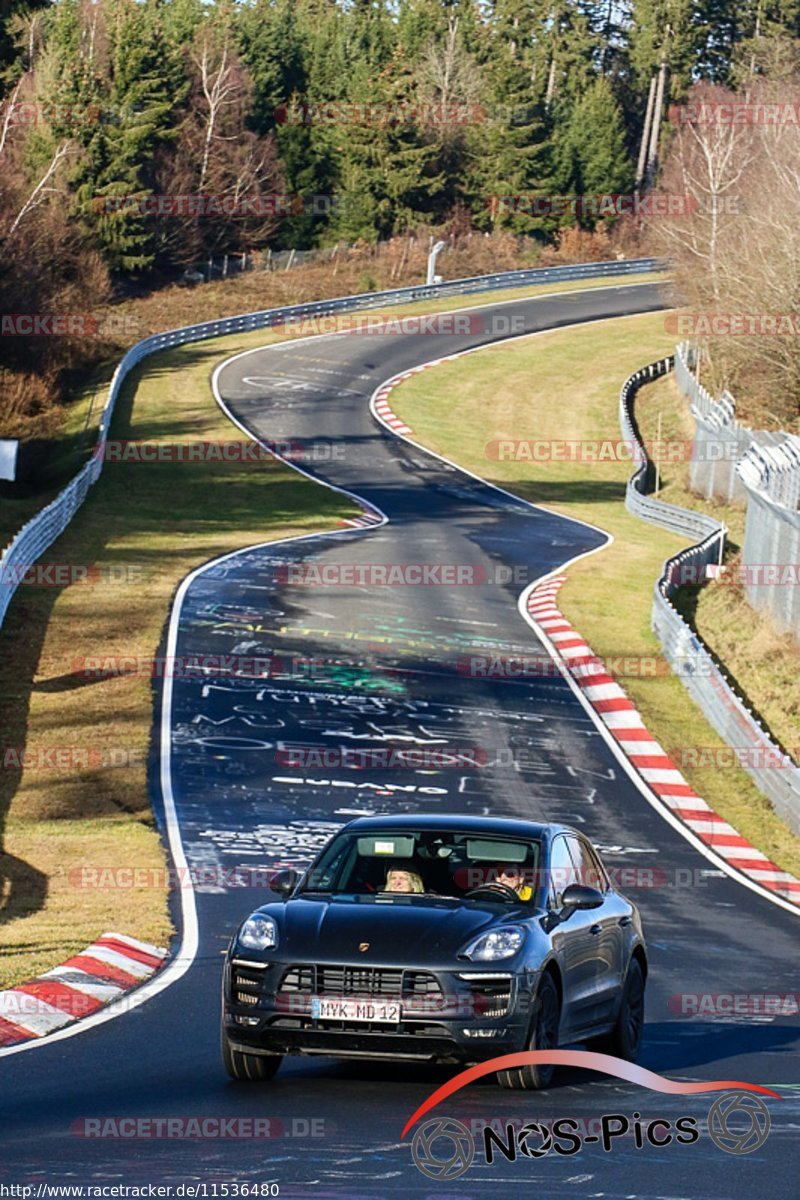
[463, 621]
[187, 951]
[605, 721]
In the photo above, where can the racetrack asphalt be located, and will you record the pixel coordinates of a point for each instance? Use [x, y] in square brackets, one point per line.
[393, 665]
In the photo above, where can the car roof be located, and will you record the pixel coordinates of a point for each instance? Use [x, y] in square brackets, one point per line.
[461, 823]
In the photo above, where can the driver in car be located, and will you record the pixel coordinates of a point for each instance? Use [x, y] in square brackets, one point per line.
[512, 876]
[398, 880]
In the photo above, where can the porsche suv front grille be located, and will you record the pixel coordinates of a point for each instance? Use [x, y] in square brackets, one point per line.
[328, 980]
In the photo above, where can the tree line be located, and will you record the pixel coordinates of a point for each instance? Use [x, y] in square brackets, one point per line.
[359, 119]
[138, 137]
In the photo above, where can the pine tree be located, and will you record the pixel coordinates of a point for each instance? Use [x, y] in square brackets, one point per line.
[674, 28]
[117, 61]
[447, 84]
[281, 45]
[13, 14]
[592, 157]
[387, 176]
[567, 50]
[270, 43]
[511, 155]
[419, 22]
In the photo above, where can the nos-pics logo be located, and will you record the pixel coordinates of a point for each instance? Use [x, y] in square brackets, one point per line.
[444, 1148]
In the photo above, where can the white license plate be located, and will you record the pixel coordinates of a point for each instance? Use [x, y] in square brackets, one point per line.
[341, 1008]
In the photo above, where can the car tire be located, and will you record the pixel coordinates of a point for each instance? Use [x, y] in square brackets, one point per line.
[625, 1038]
[249, 1068]
[544, 1036]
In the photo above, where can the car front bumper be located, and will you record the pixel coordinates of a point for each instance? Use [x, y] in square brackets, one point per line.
[462, 1015]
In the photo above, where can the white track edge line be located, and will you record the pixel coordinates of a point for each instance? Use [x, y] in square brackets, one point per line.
[628, 767]
[178, 965]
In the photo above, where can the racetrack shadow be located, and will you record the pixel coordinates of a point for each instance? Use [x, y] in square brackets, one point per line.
[23, 888]
[689, 1044]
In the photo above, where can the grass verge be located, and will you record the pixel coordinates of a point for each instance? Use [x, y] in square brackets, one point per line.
[564, 386]
[55, 460]
[63, 802]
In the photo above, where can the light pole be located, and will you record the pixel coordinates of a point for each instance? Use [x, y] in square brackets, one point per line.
[435, 252]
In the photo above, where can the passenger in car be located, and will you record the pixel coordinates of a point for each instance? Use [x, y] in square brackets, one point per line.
[398, 880]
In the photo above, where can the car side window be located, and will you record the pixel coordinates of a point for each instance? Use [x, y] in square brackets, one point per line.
[562, 871]
[588, 870]
[604, 883]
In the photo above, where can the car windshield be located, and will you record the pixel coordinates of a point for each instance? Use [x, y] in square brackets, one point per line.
[427, 862]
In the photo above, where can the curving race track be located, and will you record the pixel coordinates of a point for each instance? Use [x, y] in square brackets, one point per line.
[373, 668]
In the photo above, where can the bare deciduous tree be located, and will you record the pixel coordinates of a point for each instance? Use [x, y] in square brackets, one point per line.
[231, 171]
[43, 188]
[736, 249]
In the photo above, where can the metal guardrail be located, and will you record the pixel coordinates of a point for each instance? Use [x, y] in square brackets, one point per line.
[774, 469]
[39, 533]
[773, 771]
[669, 516]
[771, 550]
[719, 440]
[732, 462]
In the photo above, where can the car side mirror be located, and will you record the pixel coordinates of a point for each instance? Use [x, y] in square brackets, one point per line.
[284, 882]
[578, 895]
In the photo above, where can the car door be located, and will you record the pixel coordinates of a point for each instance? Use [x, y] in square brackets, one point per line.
[575, 943]
[607, 928]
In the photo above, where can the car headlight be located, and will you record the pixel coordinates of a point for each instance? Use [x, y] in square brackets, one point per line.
[500, 943]
[259, 932]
